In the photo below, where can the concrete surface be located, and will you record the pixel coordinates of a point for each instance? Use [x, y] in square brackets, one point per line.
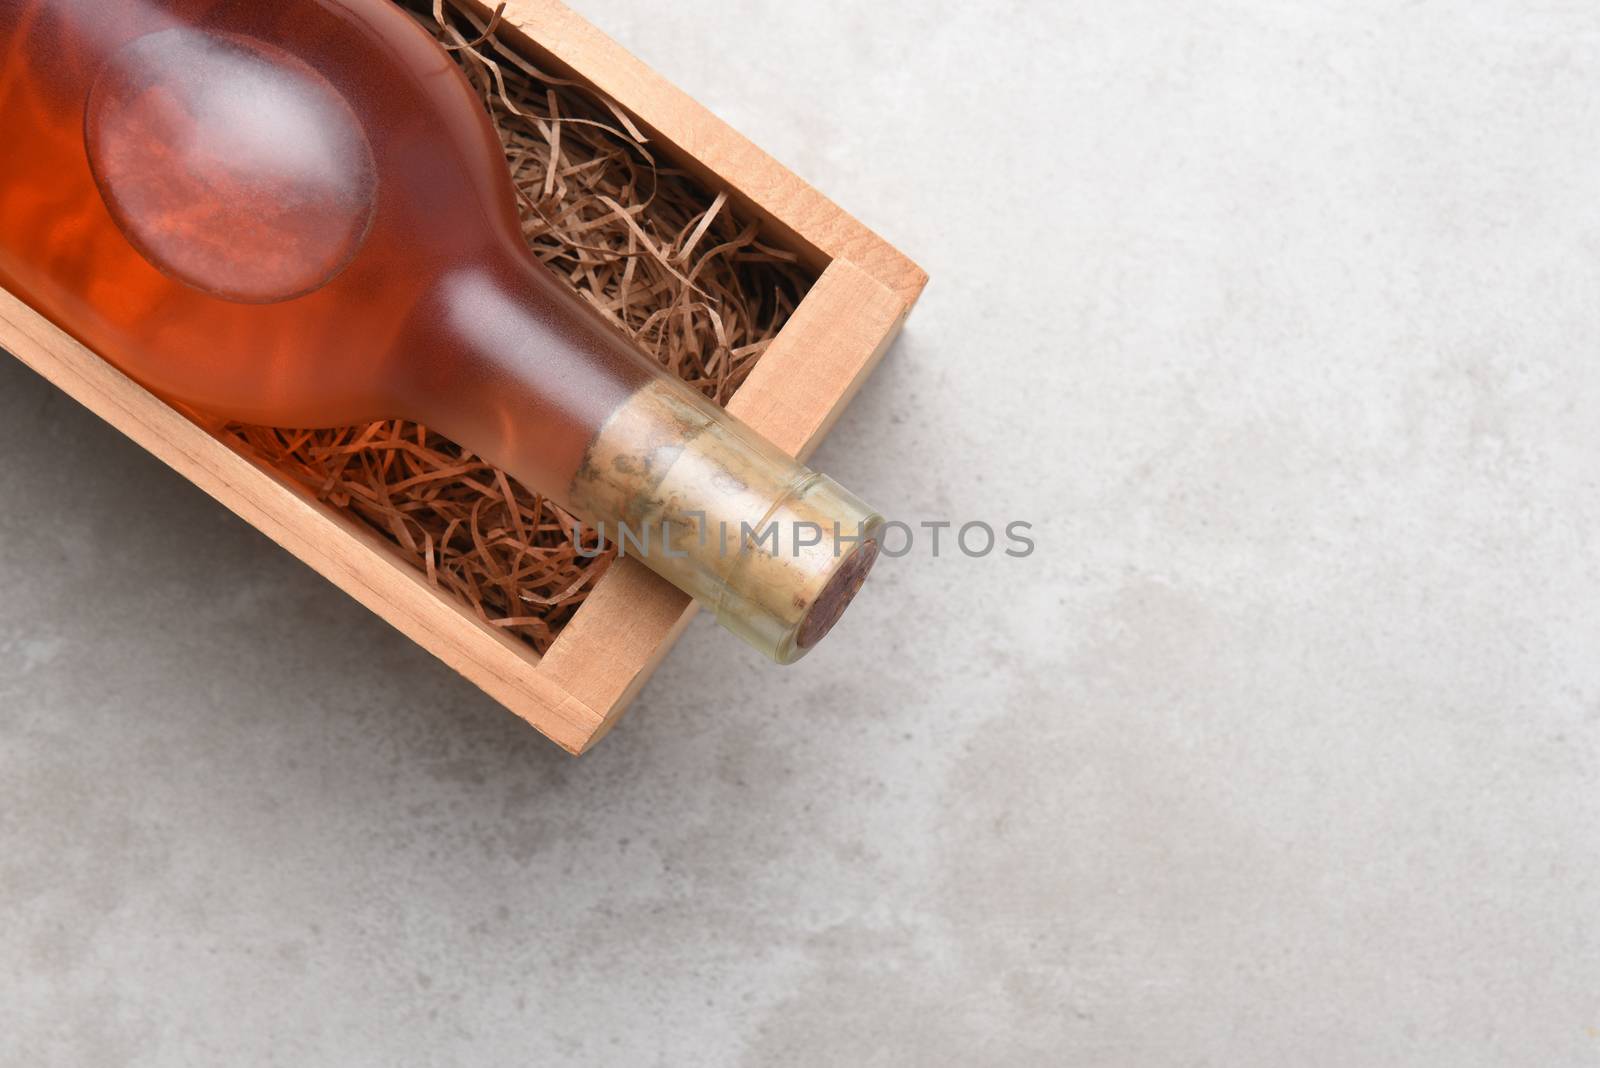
[1281, 321]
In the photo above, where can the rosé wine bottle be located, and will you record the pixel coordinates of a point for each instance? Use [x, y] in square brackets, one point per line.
[297, 213]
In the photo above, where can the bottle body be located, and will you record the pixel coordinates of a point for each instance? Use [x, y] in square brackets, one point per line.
[297, 214]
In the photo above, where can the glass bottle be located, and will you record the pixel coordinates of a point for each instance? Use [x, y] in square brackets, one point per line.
[297, 213]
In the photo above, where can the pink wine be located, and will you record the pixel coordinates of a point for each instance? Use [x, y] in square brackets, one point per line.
[297, 213]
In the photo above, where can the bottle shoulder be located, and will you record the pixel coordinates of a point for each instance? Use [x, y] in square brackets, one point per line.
[241, 204]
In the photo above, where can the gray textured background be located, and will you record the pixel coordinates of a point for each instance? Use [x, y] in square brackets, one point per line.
[1279, 320]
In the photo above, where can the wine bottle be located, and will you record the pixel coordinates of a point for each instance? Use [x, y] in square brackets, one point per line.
[297, 213]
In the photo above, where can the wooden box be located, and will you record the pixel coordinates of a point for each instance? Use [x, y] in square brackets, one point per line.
[576, 691]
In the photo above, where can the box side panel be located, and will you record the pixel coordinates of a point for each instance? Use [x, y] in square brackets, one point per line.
[810, 374]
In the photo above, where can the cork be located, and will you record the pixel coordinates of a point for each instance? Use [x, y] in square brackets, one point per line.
[775, 549]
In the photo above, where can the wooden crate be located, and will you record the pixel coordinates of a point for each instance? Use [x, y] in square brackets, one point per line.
[577, 690]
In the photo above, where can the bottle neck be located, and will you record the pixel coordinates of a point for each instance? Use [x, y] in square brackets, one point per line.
[516, 367]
